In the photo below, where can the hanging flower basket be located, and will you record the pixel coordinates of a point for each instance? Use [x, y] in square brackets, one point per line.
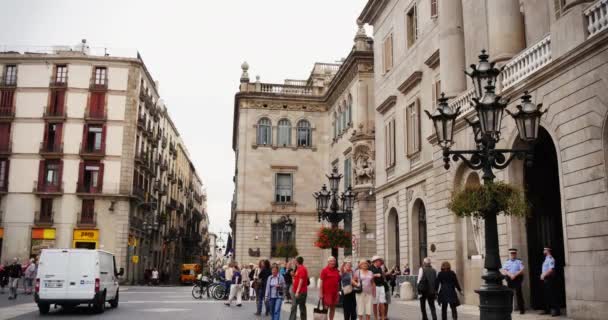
[328, 238]
[500, 197]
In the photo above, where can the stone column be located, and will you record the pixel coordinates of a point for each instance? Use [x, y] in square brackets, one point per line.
[505, 29]
[451, 47]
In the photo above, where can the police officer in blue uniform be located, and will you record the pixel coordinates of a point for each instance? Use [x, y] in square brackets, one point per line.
[548, 277]
[513, 270]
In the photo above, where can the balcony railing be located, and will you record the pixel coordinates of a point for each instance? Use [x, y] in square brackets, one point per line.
[56, 114]
[141, 123]
[139, 192]
[526, 63]
[95, 115]
[44, 219]
[463, 101]
[87, 219]
[8, 82]
[87, 188]
[51, 149]
[46, 188]
[7, 113]
[93, 85]
[597, 17]
[90, 151]
[6, 149]
[58, 83]
[286, 89]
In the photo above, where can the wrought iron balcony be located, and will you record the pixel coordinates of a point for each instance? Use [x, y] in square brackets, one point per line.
[141, 123]
[7, 113]
[58, 82]
[139, 193]
[87, 219]
[44, 219]
[54, 113]
[91, 152]
[44, 188]
[87, 188]
[95, 85]
[8, 82]
[94, 116]
[51, 150]
[6, 148]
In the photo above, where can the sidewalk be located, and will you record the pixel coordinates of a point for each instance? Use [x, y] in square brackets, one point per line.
[410, 310]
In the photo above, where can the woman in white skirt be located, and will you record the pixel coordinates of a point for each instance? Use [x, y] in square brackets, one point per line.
[363, 278]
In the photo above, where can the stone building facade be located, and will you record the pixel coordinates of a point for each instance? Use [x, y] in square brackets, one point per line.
[286, 138]
[555, 50]
[87, 152]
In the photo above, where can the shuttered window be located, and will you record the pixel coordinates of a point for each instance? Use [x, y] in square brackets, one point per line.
[413, 128]
[387, 57]
[284, 187]
[412, 26]
[389, 133]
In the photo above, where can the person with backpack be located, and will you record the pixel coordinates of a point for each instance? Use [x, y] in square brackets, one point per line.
[427, 277]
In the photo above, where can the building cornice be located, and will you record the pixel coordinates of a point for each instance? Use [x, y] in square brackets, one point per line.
[387, 104]
[372, 10]
[433, 60]
[406, 176]
[412, 81]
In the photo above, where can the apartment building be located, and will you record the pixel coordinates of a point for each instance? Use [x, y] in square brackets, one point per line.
[87, 148]
[555, 50]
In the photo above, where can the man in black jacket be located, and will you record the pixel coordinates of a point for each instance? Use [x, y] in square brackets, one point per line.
[14, 273]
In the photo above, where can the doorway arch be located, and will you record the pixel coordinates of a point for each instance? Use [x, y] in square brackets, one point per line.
[394, 255]
[544, 226]
[419, 234]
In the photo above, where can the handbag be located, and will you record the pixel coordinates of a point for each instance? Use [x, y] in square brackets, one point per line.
[320, 313]
[359, 288]
[347, 289]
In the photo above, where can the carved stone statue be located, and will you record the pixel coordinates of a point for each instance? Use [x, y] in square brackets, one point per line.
[364, 166]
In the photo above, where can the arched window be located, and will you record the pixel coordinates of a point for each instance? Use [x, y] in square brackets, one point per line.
[335, 123]
[264, 135]
[350, 109]
[422, 235]
[344, 117]
[304, 134]
[284, 132]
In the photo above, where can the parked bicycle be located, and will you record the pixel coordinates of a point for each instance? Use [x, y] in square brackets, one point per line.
[201, 287]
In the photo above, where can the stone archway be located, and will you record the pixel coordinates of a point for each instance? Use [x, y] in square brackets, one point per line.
[392, 238]
[544, 226]
[419, 248]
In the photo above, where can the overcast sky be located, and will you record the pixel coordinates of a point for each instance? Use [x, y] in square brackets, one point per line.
[195, 49]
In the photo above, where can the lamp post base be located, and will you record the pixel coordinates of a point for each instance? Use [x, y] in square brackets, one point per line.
[495, 302]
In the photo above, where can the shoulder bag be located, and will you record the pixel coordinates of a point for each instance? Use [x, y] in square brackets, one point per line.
[359, 288]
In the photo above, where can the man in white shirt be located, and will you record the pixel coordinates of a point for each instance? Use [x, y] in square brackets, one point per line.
[154, 277]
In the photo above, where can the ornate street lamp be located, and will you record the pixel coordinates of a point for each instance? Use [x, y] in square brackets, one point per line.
[332, 206]
[496, 301]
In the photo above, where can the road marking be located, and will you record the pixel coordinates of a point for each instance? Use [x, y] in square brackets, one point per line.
[17, 310]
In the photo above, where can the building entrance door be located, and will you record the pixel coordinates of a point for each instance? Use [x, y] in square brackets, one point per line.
[544, 225]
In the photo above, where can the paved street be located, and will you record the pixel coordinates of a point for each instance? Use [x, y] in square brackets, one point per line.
[177, 303]
[138, 302]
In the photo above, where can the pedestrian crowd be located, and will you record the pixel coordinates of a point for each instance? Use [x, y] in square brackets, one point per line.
[365, 288]
[14, 273]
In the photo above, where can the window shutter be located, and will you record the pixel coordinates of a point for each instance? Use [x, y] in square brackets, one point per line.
[408, 129]
[418, 130]
[103, 138]
[60, 175]
[59, 135]
[80, 175]
[41, 174]
[60, 101]
[7, 166]
[85, 130]
[99, 185]
[45, 138]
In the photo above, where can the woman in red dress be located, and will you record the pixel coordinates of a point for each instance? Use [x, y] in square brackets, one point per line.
[330, 285]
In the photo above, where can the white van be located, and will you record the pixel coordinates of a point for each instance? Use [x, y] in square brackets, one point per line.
[69, 277]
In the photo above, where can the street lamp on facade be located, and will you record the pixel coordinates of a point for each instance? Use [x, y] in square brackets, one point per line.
[332, 206]
[495, 299]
